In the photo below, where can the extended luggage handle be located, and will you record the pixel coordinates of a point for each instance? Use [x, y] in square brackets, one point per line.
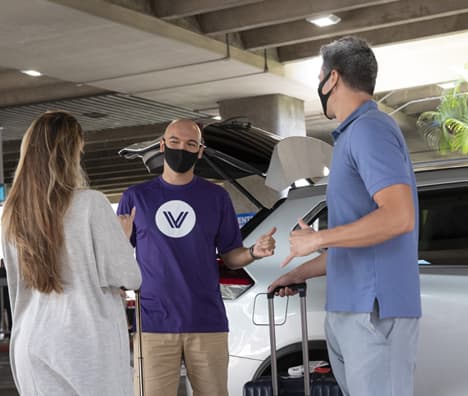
[300, 287]
[141, 389]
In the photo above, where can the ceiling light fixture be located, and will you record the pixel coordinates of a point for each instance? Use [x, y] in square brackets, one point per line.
[32, 73]
[324, 20]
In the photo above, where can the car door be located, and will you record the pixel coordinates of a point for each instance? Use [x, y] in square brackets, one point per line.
[443, 257]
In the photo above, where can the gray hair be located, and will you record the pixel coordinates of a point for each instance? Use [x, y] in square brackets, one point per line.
[354, 60]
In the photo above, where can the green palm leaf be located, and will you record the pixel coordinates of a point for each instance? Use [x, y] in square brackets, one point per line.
[446, 129]
[459, 130]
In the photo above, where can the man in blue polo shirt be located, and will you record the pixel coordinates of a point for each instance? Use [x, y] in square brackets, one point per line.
[373, 296]
[180, 223]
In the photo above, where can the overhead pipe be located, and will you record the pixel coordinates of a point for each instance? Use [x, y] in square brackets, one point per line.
[420, 101]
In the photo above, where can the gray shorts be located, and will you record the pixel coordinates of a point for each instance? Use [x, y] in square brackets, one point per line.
[372, 356]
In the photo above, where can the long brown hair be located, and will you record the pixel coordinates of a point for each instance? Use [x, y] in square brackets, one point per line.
[48, 172]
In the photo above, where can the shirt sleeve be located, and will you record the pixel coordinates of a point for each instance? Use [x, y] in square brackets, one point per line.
[11, 272]
[115, 261]
[229, 236]
[124, 208]
[378, 154]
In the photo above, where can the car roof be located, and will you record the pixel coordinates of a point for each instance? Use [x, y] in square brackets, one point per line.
[442, 176]
[424, 178]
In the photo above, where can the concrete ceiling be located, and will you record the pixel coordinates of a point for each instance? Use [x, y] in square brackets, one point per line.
[190, 54]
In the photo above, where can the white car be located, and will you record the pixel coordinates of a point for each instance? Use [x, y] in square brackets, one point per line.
[443, 257]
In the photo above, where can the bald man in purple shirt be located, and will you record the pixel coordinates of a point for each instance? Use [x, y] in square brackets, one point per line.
[181, 223]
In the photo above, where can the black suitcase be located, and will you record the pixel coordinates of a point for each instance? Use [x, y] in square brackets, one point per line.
[315, 385]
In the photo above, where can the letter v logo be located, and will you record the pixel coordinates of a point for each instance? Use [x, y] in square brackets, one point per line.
[175, 219]
[175, 223]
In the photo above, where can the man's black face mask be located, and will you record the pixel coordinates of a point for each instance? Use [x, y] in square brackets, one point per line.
[180, 161]
[324, 97]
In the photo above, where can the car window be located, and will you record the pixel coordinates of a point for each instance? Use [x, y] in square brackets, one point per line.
[443, 227]
[320, 222]
[317, 218]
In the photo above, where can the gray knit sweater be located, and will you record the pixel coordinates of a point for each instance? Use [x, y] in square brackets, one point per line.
[76, 342]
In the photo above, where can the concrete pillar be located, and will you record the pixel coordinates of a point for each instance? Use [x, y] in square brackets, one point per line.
[279, 114]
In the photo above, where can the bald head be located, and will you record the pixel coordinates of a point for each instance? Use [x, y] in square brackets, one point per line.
[183, 135]
[184, 129]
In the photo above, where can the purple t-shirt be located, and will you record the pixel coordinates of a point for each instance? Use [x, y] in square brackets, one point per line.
[177, 231]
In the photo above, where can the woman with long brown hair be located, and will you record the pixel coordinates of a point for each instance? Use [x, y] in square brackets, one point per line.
[66, 257]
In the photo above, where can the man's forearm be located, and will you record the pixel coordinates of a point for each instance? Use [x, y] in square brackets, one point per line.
[237, 258]
[374, 228]
[310, 269]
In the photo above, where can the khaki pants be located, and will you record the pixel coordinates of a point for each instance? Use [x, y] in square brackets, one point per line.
[205, 356]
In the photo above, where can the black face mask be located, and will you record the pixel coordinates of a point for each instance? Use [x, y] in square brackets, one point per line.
[180, 161]
[324, 97]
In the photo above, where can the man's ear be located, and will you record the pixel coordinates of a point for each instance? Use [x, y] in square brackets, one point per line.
[200, 153]
[161, 146]
[334, 76]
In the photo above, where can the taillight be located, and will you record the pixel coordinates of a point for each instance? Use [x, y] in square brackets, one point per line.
[233, 283]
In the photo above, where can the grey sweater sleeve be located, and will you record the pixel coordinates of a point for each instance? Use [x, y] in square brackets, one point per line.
[114, 255]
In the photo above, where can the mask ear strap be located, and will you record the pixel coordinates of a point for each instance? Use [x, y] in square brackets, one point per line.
[324, 81]
[336, 82]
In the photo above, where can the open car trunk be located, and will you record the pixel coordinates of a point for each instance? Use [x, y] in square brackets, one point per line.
[237, 149]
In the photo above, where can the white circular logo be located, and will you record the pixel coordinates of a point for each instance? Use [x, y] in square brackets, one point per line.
[175, 219]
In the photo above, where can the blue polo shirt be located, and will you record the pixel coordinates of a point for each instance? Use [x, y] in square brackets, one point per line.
[369, 155]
